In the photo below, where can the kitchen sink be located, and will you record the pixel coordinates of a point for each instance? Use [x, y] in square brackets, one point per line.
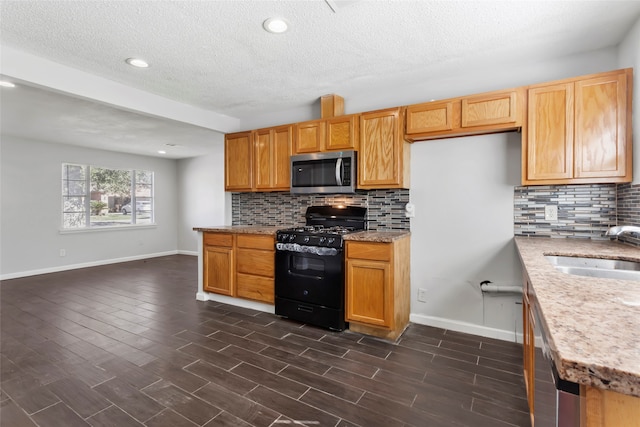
[596, 267]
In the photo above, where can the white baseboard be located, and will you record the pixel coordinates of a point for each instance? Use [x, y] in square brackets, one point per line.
[192, 253]
[468, 328]
[239, 302]
[83, 265]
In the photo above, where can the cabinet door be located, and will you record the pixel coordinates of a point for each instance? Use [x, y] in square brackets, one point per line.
[549, 144]
[262, 159]
[219, 270]
[601, 126]
[281, 159]
[238, 153]
[369, 292]
[342, 133]
[309, 137]
[492, 109]
[380, 159]
[430, 117]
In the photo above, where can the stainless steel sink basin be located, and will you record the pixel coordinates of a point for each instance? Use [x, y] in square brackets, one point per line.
[596, 267]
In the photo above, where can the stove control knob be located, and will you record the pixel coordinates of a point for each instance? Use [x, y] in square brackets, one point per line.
[322, 240]
[306, 239]
[292, 237]
[331, 240]
[283, 237]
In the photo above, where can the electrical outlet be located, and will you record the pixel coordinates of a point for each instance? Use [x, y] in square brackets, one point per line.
[550, 213]
[63, 252]
[422, 295]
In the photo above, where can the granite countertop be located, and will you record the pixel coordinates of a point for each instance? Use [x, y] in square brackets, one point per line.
[593, 324]
[376, 236]
[245, 229]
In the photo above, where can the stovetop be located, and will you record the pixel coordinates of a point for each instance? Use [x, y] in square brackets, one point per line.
[325, 226]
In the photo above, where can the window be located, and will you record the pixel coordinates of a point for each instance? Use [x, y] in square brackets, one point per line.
[94, 197]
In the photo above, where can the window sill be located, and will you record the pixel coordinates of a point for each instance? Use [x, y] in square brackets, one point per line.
[107, 228]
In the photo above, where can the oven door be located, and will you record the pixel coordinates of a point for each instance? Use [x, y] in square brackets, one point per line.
[310, 277]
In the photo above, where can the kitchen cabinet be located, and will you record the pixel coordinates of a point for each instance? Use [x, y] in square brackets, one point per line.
[239, 265]
[258, 160]
[579, 131]
[342, 133]
[332, 134]
[309, 137]
[528, 347]
[238, 161]
[384, 155]
[255, 261]
[271, 166]
[490, 112]
[219, 265]
[378, 287]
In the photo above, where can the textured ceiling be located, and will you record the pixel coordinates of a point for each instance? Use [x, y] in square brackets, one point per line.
[215, 55]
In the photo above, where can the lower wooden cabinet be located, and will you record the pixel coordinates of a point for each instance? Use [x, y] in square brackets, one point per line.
[239, 265]
[255, 267]
[378, 287]
[219, 274]
[528, 347]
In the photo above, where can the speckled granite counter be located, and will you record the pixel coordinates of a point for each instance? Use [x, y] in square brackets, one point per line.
[377, 236]
[240, 229]
[593, 324]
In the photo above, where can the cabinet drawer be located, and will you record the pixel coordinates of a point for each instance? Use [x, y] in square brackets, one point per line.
[256, 262]
[218, 239]
[372, 251]
[255, 241]
[255, 288]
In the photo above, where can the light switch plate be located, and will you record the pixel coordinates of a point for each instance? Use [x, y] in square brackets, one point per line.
[551, 213]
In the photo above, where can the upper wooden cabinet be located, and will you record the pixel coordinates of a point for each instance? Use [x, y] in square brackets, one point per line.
[238, 160]
[272, 149]
[579, 131]
[309, 137]
[383, 158]
[333, 134]
[472, 115]
[258, 160]
[342, 133]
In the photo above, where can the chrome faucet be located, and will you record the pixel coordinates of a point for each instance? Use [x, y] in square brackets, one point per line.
[618, 230]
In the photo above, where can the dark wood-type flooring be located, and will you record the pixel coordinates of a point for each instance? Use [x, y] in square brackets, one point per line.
[128, 345]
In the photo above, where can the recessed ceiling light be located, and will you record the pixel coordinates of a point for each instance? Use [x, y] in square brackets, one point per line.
[5, 83]
[275, 25]
[137, 62]
[162, 152]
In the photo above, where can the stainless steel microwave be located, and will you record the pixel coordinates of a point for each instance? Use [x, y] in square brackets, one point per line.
[331, 172]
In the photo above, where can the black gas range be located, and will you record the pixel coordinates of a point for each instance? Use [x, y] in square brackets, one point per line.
[309, 276]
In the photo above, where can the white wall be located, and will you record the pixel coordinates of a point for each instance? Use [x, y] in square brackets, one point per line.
[629, 56]
[463, 230]
[30, 205]
[201, 197]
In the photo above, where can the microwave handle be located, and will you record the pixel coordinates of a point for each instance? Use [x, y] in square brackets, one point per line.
[339, 171]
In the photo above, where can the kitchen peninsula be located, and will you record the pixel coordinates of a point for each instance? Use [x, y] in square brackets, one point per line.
[592, 326]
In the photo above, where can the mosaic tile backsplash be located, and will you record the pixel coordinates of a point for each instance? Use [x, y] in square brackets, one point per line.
[385, 208]
[584, 211]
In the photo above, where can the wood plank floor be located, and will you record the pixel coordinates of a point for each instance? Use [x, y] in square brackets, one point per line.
[128, 345]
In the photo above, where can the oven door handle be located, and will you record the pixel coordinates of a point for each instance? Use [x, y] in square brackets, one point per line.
[306, 276]
[339, 171]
